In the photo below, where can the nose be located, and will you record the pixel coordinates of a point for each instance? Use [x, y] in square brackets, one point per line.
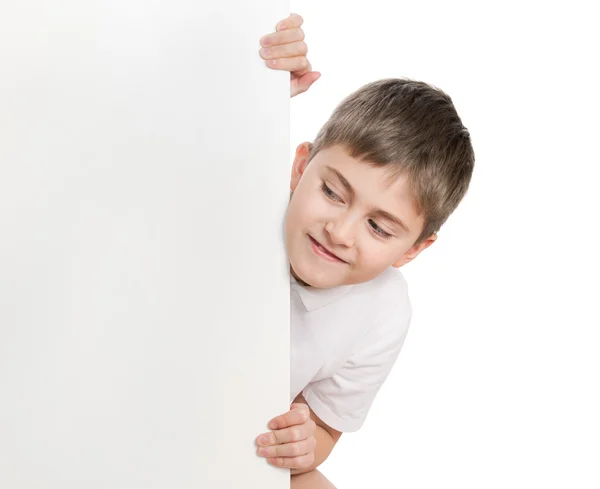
[340, 232]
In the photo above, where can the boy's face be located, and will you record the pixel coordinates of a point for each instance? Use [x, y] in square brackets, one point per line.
[347, 207]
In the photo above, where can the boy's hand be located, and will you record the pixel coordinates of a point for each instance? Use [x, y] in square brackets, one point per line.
[292, 443]
[286, 50]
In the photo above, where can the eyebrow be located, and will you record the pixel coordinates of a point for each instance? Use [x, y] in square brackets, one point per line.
[379, 212]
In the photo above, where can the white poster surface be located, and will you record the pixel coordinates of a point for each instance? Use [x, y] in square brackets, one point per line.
[144, 290]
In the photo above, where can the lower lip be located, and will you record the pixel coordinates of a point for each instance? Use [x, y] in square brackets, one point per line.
[322, 253]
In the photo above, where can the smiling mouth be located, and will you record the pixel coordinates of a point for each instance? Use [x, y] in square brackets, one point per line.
[324, 252]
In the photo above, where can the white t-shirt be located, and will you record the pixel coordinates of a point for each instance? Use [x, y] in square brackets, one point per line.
[344, 342]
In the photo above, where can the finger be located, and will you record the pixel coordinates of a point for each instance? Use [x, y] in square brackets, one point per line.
[285, 51]
[298, 414]
[298, 65]
[301, 462]
[285, 435]
[294, 20]
[284, 37]
[295, 449]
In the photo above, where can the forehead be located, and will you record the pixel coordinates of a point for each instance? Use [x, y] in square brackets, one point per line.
[364, 177]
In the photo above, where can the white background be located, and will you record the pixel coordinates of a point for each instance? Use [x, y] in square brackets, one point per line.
[498, 382]
[143, 277]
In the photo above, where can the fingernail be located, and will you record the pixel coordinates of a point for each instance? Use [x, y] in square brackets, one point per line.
[264, 439]
[265, 51]
[280, 27]
[265, 41]
[272, 425]
[263, 451]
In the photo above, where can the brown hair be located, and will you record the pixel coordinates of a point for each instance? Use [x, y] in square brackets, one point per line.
[413, 128]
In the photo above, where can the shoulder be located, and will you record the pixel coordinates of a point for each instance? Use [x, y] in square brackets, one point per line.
[392, 279]
[390, 310]
[389, 291]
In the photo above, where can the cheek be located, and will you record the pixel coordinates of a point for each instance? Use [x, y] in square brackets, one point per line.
[295, 218]
[306, 208]
[375, 256]
[371, 256]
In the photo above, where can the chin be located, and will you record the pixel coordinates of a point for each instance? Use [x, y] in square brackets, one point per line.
[319, 279]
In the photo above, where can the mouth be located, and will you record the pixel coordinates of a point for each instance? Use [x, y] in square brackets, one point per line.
[323, 252]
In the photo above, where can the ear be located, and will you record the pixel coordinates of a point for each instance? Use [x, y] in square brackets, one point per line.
[300, 163]
[413, 252]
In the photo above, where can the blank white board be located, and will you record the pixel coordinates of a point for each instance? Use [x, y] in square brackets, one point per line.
[144, 288]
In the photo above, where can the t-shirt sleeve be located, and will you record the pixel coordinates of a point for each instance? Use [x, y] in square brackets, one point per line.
[344, 399]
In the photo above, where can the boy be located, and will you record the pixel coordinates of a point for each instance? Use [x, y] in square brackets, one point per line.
[386, 171]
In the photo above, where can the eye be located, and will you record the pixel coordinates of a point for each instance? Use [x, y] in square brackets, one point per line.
[378, 230]
[329, 193]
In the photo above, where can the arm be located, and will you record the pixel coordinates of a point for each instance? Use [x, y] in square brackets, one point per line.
[326, 438]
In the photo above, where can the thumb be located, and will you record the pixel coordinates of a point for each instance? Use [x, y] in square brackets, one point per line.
[310, 78]
[303, 83]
